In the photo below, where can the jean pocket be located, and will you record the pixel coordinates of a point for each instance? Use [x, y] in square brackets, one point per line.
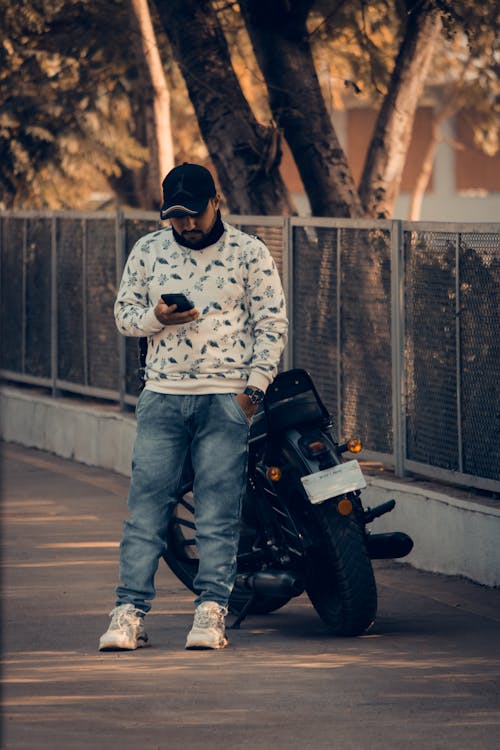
[239, 410]
[145, 401]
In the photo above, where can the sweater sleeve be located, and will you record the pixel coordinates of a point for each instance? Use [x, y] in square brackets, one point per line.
[267, 310]
[134, 312]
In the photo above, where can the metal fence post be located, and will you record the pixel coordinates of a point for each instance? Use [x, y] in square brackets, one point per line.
[119, 261]
[458, 352]
[338, 295]
[288, 284]
[24, 322]
[397, 348]
[53, 306]
[85, 352]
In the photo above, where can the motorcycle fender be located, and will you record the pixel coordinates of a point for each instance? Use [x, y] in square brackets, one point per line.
[307, 464]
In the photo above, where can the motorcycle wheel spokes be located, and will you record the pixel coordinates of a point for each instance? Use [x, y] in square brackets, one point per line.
[182, 558]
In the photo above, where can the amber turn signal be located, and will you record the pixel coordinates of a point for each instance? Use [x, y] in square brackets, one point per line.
[354, 445]
[274, 473]
[344, 506]
[316, 446]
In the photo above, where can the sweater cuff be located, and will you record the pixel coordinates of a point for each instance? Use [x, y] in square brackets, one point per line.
[150, 323]
[258, 380]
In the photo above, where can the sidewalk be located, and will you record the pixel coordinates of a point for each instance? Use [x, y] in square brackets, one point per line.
[426, 677]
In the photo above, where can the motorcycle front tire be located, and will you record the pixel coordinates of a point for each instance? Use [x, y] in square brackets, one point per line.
[339, 578]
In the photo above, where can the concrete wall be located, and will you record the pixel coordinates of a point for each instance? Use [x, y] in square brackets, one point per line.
[95, 435]
[451, 535]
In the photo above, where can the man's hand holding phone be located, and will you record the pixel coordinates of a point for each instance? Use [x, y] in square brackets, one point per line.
[175, 309]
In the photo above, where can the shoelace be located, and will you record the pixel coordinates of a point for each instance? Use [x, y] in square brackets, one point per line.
[124, 616]
[210, 617]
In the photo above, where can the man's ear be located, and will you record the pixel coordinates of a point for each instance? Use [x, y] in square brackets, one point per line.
[216, 200]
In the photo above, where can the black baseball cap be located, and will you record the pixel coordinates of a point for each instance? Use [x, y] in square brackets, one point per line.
[186, 191]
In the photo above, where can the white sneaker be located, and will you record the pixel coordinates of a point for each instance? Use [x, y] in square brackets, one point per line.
[208, 629]
[126, 630]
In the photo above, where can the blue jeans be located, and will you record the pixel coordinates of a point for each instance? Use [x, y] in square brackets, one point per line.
[211, 431]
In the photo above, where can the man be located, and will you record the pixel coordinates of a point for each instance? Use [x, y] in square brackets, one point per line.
[207, 371]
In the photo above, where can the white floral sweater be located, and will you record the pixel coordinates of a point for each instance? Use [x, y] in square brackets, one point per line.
[241, 332]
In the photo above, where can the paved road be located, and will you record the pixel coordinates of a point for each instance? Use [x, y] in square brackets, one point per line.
[426, 676]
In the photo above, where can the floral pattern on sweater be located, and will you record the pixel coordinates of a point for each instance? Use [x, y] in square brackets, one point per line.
[241, 331]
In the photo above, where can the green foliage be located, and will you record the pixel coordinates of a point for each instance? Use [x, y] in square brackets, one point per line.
[470, 60]
[356, 44]
[65, 120]
[72, 101]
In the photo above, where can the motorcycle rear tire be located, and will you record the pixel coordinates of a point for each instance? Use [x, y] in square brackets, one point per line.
[340, 581]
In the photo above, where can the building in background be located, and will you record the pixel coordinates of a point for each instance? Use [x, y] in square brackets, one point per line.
[464, 184]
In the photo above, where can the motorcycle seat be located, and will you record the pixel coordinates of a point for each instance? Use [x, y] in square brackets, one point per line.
[298, 410]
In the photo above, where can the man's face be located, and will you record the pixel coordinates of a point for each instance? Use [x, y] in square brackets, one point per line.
[194, 229]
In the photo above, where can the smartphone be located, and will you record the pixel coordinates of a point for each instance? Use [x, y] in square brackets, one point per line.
[182, 302]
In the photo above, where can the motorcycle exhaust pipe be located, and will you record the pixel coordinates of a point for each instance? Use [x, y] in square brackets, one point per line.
[388, 546]
[272, 583]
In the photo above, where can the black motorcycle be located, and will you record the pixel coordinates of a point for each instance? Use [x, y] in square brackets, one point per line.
[303, 525]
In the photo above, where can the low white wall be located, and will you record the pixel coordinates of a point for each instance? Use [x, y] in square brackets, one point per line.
[94, 435]
[451, 535]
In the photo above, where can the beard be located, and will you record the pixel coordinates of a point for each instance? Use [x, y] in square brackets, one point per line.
[195, 239]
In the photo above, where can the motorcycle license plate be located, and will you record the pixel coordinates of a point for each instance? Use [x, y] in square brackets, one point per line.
[335, 481]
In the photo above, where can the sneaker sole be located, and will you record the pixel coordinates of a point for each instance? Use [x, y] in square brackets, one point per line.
[114, 646]
[201, 645]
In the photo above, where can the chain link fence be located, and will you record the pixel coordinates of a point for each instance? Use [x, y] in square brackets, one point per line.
[397, 322]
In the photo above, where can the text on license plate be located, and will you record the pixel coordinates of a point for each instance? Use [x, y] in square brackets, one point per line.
[335, 481]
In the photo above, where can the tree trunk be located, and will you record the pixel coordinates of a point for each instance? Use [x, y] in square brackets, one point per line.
[243, 151]
[424, 175]
[381, 178]
[161, 93]
[279, 37]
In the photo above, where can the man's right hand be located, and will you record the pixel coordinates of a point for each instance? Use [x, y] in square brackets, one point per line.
[167, 314]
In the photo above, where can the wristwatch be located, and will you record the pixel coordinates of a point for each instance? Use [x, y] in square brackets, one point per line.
[255, 395]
